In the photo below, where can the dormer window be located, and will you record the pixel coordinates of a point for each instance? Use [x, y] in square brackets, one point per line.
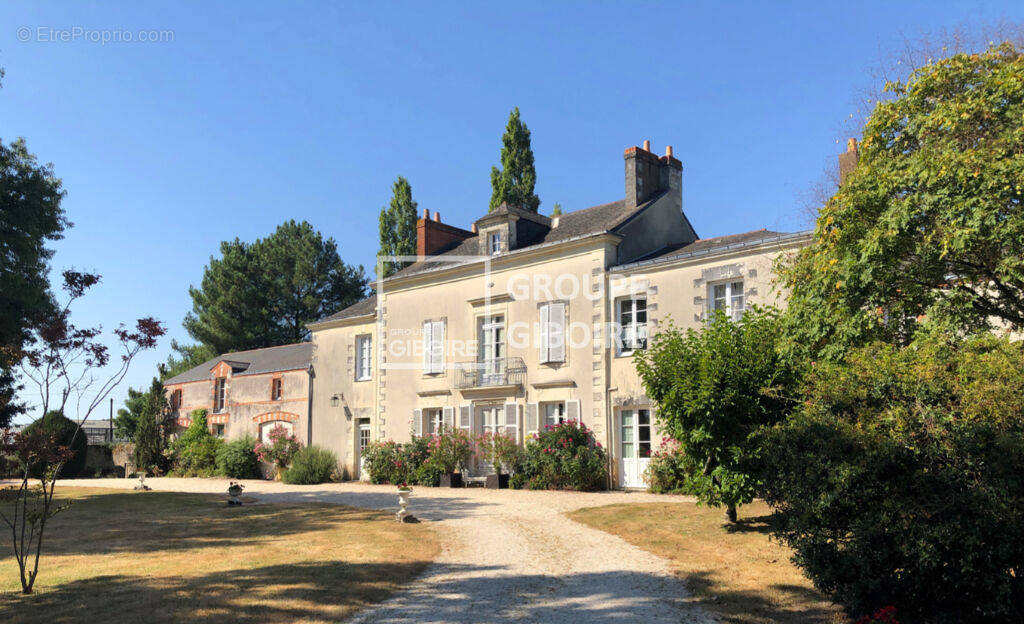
[219, 392]
[494, 243]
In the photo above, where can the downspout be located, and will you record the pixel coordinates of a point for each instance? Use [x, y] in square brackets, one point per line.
[309, 406]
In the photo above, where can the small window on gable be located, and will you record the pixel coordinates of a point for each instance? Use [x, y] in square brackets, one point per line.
[494, 242]
[276, 389]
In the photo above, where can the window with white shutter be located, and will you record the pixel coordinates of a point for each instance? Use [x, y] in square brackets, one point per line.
[433, 347]
[417, 422]
[552, 332]
[364, 357]
[531, 419]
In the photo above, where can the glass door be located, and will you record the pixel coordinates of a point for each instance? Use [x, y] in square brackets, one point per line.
[634, 446]
[492, 351]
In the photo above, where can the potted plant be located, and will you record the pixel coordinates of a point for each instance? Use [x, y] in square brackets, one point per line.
[450, 452]
[279, 449]
[501, 452]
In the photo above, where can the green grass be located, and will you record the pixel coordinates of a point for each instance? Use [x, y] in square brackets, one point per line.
[167, 557]
[737, 572]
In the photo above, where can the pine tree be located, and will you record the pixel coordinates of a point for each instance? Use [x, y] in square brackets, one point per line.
[514, 182]
[398, 227]
[262, 294]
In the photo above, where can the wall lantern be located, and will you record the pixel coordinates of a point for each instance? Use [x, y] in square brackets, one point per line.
[335, 400]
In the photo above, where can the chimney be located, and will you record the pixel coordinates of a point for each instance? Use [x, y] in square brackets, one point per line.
[434, 237]
[848, 160]
[647, 175]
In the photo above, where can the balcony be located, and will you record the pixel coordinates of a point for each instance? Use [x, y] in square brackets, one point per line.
[490, 373]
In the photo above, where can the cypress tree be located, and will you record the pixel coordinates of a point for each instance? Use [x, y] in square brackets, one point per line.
[514, 182]
[398, 227]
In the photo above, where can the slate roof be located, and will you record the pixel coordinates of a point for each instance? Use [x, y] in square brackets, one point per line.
[710, 245]
[253, 362]
[359, 308]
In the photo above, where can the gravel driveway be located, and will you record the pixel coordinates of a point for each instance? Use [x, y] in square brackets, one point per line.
[507, 556]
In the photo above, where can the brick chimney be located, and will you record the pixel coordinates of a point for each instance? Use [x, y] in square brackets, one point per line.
[848, 160]
[647, 174]
[433, 237]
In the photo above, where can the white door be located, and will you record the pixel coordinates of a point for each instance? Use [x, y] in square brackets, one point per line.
[490, 418]
[634, 446]
[364, 439]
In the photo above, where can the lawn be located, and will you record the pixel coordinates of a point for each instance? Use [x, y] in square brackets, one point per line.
[737, 573]
[162, 557]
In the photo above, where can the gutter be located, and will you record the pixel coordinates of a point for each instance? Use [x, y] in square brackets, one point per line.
[684, 255]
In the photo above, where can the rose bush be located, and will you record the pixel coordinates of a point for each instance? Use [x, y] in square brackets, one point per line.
[280, 447]
[562, 457]
[666, 473]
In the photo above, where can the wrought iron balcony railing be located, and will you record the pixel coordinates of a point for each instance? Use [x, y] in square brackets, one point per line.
[509, 371]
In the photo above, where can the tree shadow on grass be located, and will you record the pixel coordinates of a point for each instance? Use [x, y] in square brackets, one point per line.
[772, 603]
[150, 522]
[755, 524]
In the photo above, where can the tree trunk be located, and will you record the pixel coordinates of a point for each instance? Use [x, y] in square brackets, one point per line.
[730, 514]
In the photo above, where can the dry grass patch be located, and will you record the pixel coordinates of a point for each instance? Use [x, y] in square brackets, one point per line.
[736, 572]
[167, 557]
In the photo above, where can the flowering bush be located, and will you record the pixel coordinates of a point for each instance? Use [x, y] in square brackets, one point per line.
[666, 473]
[499, 450]
[450, 450]
[280, 447]
[391, 462]
[563, 457]
[885, 615]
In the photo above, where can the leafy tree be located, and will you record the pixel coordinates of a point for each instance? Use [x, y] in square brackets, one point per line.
[262, 294]
[899, 480]
[150, 433]
[30, 217]
[195, 451]
[514, 182]
[398, 227]
[67, 433]
[714, 387]
[927, 230]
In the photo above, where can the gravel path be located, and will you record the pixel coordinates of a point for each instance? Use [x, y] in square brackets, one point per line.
[507, 556]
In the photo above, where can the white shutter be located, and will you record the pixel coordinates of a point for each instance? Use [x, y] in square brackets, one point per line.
[545, 333]
[427, 344]
[447, 416]
[556, 333]
[417, 422]
[511, 423]
[437, 347]
[572, 410]
[466, 418]
[531, 418]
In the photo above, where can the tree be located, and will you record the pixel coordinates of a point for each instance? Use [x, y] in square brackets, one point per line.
[63, 361]
[714, 387]
[30, 216]
[150, 433]
[65, 433]
[514, 182]
[263, 294]
[397, 227]
[927, 229]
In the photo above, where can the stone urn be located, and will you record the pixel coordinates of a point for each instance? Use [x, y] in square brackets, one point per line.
[403, 514]
[234, 491]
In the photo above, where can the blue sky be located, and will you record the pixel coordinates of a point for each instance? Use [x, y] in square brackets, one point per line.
[260, 112]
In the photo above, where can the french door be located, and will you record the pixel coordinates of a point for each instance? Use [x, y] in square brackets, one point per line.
[492, 351]
[634, 446]
[364, 439]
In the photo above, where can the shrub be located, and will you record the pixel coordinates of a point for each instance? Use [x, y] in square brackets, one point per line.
[237, 459]
[64, 432]
[901, 481]
[563, 457]
[311, 465]
[450, 450]
[195, 452]
[499, 450]
[382, 461]
[666, 472]
[280, 447]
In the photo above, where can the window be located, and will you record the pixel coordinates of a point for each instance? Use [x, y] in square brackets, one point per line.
[500, 420]
[554, 413]
[727, 297]
[636, 433]
[276, 388]
[552, 332]
[433, 347]
[632, 318]
[491, 353]
[218, 431]
[494, 243]
[176, 399]
[435, 420]
[267, 427]
[219, 394]
[364, 357]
